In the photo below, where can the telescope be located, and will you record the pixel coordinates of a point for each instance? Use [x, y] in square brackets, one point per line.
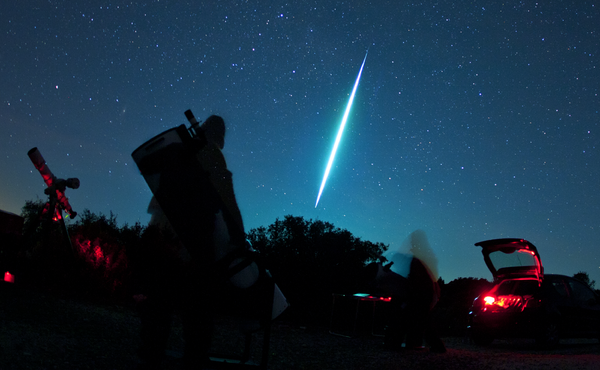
[55, 187]
[172, 166]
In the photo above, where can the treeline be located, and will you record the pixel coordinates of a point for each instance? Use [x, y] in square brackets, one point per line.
[94, 261]
[310, 260]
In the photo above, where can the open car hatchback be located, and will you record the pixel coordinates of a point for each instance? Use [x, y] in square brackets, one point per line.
[525, 302]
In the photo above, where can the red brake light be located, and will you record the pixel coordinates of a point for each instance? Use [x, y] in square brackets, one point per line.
[8, 277]
[502, 302]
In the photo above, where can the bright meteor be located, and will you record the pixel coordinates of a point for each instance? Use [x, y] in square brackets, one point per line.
[340, 131]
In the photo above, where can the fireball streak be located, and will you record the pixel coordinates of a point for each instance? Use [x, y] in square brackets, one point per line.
[340, 131]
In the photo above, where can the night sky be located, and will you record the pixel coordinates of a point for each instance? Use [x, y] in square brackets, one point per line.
[473, 120]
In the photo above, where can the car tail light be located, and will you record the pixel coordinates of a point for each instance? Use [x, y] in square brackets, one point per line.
[502, 303]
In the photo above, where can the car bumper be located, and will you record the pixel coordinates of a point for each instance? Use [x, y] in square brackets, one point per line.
[504, 324]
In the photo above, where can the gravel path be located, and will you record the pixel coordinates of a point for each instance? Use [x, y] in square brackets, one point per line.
[44, 332]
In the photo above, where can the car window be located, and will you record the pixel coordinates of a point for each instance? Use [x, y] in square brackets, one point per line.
[560, 288]
[518, 258]
[581, 292]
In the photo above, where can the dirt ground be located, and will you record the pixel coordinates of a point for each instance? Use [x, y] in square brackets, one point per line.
[45, 332]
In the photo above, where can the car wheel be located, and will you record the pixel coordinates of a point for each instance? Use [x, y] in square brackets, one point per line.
[548, 333]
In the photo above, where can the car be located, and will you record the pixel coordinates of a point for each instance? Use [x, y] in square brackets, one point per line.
[524, 302]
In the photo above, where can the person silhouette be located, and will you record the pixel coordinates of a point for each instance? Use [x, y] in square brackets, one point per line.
[414, 297]
[176, 275]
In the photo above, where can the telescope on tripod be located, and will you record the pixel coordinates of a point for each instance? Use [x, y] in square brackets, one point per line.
[57, 201]
[56, 187]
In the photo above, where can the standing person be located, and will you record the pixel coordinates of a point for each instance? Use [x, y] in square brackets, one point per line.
[163, 271]
[178, 276]
[423, 294]
[213, 162]
[409, 322]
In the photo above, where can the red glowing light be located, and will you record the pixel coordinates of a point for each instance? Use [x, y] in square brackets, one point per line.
[502, 302]
[84, 245]
[489, 300]
[368, 297]
[8, 277]
[98, 252]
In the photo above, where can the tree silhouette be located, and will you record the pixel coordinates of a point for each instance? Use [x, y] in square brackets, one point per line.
[98, 264]
[44, 251]
[101, 252]
[585, 278]
[310, 260]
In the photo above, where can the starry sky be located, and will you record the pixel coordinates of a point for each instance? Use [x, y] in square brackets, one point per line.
[472, 120]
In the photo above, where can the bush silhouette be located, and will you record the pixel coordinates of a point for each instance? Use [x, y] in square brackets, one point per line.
[310, 260]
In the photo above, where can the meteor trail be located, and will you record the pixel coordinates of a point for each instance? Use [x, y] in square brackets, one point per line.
[340, 131]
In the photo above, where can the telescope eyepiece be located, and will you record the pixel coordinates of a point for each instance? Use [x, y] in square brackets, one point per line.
[190, 116]
[73, 183]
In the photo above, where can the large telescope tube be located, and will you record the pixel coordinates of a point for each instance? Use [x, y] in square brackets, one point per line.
[54, 184]
[172, 167]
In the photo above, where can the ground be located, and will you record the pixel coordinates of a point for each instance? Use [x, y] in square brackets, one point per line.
[42, 331]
